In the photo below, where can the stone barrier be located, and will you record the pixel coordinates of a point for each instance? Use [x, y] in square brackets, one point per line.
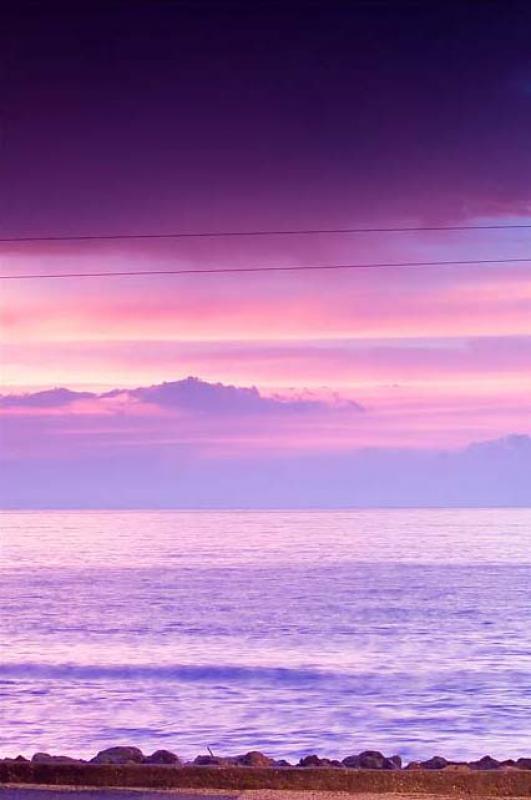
[508, 782]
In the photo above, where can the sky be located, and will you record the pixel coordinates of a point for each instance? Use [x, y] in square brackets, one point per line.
[392, 386]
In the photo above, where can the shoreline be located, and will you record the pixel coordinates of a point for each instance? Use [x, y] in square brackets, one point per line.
[373, 760]
[34, 792]
[450, 781]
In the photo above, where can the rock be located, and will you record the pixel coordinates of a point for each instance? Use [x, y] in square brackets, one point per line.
[487, 762]
[41, 758]
[255, 759]
[163, 757]
[523, 763]
[397, 761]
[352, 762]
[310, 761]
[315, 761]
[371, 759]
[46, 758]
[214, 761]
[414, 765]
[509, 762]
[389, 763]
[119, 755]
[437, 762]
[282, 763]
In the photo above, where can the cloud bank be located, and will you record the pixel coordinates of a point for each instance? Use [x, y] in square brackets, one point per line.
[194, 444]
[190, 394]
[495, 473]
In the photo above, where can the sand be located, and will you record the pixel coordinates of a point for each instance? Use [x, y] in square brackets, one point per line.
[14, 792]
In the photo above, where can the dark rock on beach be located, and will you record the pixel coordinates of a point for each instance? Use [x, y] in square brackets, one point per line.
[214, 761]
[46, 758]
[389, 764]
[163, 757]
[255, 759]
[487, 762]
[119, 755]
[437, 762]
[366, 760]
[351, 761]
[313, 761]
[372, 759]
[316, 761]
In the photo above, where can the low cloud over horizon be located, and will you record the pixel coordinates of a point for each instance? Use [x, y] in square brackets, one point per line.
[189, 393]
[193, 444]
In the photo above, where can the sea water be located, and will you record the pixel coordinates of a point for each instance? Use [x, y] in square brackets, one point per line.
[407, 631]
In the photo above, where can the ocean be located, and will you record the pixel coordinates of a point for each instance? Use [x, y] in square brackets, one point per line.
[291, 632]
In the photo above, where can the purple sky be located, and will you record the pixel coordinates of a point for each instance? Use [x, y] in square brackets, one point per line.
[311, 388]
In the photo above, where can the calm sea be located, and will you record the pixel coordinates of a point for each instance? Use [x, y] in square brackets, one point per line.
[407, 631]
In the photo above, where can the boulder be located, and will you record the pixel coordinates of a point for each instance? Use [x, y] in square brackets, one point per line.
[390, 763]
[46, 758]
[523, 763]
[352, 762]
[315, 761]
[254, 759]
[163, 757]
[214, 761]
[41, 758]
[372, 759]
[119, 755]
[487, 762]
[414, 765]
[437, 762]
[282, 763]
[310, 761]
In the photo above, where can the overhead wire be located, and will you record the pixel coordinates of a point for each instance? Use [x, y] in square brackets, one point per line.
[264, 269]
[254, 233]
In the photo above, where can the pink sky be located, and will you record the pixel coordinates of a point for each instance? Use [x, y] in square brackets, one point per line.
[438, 357]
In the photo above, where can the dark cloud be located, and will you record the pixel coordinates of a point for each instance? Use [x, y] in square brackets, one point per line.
[197, 395]
[191, 394]
[50, 398]
[132, 115]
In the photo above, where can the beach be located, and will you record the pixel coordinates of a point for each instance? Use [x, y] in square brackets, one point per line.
[84, 793]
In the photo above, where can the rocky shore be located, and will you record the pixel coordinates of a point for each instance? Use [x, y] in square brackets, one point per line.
[365, 773]
[366, 760]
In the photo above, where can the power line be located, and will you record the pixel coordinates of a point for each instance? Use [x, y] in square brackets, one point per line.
[233, 270]
[233, 234]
